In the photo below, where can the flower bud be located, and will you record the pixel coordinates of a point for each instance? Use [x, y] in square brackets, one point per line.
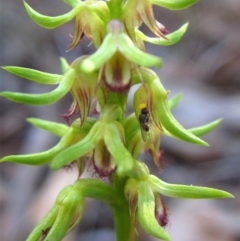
[62, 218]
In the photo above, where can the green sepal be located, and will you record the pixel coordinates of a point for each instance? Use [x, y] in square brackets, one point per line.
[170, 39]
[135, 55]
[173, 102]
[55, 128]
[40, 158]
[118, 42]
[200, 130]
[146, 212]
[102, 10]
[97, 189]
[205, 129]
[64, 65]
[79, 149]
[174, 5]
[115, 146]
[44, 225]
[184, 191]
[51, 22]
[102, 55]
[156, 101]
[72, 3]
[169, 122]
[46, 98]
[34, 75]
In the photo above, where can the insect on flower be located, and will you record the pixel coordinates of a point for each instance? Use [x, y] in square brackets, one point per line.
[145, 121]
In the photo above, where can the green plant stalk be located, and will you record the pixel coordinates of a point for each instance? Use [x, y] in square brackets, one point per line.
[124, 228]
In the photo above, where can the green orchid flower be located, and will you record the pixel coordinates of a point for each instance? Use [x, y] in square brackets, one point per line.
[90, 20]
[81, 85]
[146, 206]
[106, 140]
[69, 136]
[116, 57]
[152, 96]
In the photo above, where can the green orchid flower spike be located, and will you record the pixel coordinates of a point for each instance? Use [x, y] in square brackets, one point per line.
[107, 135]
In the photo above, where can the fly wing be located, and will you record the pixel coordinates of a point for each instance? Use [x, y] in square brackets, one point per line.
[143, 132]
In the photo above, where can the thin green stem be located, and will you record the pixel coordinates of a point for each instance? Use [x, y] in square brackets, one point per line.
[124, 228]
[124, 225]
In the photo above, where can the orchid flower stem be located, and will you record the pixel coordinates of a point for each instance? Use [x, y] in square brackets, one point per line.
[122, 221]
[124, 228]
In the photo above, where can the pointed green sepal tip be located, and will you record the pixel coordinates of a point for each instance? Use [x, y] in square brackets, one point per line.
[51, 22]
[184, 191]
[170, 39]
[173, 102]
[205, 129]
[34, 75]
[146, 212]
[64, 64]
[174, 5]
[55, 128]
[35, 159]
[46, 98]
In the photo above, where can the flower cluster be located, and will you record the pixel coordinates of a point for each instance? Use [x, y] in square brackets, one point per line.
[112, 143]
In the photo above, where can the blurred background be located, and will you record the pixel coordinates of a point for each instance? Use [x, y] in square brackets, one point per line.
[204, 66]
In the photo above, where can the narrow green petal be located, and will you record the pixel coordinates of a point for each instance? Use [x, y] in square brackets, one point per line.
[174, 4]
[101, 56]
[51, 22]
[34, 75]
[183, 191]
[79, 149]
[46, 98]
[115, 146]
[50, 126]
[205, 129]
[173, 102]
[170, 39]
[133, 54]
[146, 212]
